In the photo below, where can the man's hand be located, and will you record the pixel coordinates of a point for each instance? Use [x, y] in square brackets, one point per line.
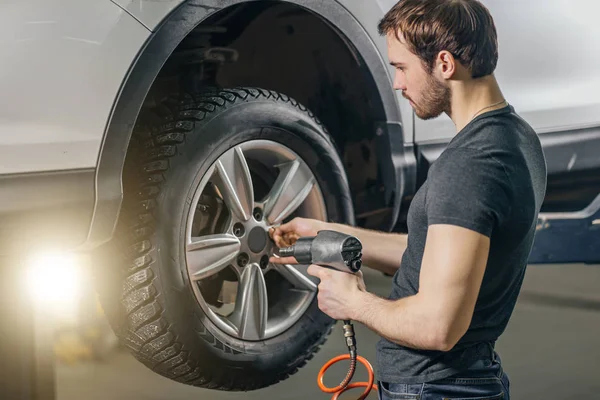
[286, 234]
[339, 292]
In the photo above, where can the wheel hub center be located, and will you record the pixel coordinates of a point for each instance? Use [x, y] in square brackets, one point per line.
[257, 239]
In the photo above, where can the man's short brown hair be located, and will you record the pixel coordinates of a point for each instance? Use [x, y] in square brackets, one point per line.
[465, 28]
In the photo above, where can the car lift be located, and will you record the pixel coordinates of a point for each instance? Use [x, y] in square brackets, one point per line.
[27, 369]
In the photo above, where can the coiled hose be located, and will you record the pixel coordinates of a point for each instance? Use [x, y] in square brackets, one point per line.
[353, 357]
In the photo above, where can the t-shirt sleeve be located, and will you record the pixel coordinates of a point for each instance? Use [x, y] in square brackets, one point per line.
[470, 189]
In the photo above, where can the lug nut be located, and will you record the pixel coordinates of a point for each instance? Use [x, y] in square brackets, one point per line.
[238, 230]
[264, 261]
[257, 214]
[242, 259]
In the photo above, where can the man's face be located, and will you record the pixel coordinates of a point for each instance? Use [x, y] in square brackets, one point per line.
[428, 96]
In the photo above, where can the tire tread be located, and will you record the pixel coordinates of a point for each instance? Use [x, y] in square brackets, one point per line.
[147, 332]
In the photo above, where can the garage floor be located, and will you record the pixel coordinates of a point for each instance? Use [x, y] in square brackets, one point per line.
[551, 350]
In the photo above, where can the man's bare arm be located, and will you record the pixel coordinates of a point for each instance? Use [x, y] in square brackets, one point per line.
[440, 313]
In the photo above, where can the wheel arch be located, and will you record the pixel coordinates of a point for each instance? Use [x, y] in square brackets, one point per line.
[157, 51]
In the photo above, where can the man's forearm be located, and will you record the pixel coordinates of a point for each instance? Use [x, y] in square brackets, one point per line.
[408, 321]
[381, 251]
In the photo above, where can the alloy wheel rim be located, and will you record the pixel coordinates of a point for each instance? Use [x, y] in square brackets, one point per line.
[256, 300]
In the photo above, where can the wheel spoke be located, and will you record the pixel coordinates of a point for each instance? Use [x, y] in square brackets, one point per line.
[293, 184]
[207, 255]
[296, 274]
[236, 183]
[251, 307]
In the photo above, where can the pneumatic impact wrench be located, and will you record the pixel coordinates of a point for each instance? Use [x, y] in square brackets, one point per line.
[334, 250]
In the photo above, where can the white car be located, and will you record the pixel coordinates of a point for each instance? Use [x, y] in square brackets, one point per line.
[166, 136]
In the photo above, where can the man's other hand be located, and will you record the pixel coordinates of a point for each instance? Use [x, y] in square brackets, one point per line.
[339, 292]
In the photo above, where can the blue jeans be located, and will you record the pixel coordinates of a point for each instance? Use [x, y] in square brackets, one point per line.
[483, 380]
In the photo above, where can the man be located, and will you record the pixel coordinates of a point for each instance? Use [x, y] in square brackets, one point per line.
[470, 226]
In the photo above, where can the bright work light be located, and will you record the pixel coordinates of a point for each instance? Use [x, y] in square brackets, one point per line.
[54, 280]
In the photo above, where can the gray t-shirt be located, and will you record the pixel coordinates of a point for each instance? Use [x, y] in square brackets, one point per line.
[491, 179]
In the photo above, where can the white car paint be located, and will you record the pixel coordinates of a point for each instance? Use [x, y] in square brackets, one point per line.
[60, 75]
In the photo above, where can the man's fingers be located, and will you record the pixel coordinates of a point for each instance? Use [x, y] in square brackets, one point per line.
[284, 228]
[317, 271]
[283, 239]
[283, 260]
[282, 242]
[289, 238]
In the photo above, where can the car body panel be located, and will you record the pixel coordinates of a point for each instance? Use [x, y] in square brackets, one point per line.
[61, 72]
[149, 12]
[46, 211]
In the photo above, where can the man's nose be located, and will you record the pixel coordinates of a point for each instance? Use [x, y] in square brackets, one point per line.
[399, 83]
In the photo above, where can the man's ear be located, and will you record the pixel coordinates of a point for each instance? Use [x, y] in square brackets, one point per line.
[446, 64]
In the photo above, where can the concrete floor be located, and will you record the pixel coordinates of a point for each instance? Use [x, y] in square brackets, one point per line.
[551, 350]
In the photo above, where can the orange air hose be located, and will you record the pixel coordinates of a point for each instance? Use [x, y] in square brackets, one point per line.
[338, 390]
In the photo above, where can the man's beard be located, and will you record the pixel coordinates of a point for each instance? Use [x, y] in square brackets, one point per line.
[434, 101]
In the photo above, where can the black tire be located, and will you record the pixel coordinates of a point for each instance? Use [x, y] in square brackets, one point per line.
[145, 288]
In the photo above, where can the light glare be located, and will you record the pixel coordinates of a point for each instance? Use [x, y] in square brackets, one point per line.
[54, 278]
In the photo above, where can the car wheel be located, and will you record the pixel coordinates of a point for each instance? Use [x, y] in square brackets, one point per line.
[186, 282]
